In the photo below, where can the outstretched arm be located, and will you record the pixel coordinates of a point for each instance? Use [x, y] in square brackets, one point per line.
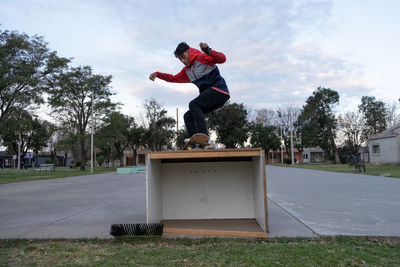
[181, 77]
[211, 57]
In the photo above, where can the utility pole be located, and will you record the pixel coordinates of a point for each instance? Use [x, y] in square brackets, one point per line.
[91, 138]
[291, 139]
[282, 145]
[19, 152]
[177, 128]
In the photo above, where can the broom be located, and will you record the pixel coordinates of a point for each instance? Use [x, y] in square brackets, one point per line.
[137, 229]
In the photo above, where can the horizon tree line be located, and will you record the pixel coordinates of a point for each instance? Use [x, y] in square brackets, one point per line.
[32, 75]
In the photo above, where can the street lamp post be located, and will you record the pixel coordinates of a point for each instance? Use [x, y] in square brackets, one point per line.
[282, 145]
[91, 137]
[291, 139]
[19, 152]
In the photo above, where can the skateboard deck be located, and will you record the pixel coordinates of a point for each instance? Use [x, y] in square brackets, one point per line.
[198, 140]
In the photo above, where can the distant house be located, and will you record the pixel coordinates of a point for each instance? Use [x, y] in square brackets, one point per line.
[9, 161]
[6, 160]
[307, 155]
[275, 156]
[313, 155]
[129, 159]
[364, 153]
[384, 147]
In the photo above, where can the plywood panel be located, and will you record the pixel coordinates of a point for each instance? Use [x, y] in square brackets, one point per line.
[233, 228]
[213, 190]
[153, 191]
[260, 192]
[217, 153]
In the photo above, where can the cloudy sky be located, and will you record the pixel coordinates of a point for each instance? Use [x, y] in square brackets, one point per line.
[278, 52]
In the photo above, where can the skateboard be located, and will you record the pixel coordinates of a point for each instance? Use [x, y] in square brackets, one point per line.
[197, 141]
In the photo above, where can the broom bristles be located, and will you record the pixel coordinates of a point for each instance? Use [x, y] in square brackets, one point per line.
[137, 229]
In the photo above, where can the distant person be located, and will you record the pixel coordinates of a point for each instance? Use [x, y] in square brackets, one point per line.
[201, 70]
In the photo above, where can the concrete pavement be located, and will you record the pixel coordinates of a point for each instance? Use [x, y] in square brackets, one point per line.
[337, 203]
[83, 206]
[301, 202]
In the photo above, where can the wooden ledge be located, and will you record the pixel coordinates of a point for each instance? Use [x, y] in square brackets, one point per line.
[208, 153]
[182, 231]
[214, 227]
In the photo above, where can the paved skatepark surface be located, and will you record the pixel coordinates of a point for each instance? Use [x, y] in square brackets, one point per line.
[338, 203]
[301, 203]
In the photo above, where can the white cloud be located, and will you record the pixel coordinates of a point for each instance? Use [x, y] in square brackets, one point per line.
[273, 48]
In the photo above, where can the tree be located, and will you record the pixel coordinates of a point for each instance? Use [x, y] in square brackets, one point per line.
[351, 125]
[160, 127]
[180, 138]
[136, 138]
[230, 124]
[266, 117]
[115, 133]
[265, 137]
[375, 115]
[393, 113]
[68, 141]
[286, 116]
[105, 144]
[71, 101]
[317, 124]
[25, 65]
[34, 133]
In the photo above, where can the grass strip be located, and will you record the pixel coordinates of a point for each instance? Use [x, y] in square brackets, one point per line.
[14, 175]
[378, 170]
[326, 251]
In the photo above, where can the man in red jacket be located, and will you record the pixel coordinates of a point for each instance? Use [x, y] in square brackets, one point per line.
[201, 70]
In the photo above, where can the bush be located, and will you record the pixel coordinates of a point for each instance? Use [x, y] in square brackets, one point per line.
[49, 161]
[100, 160]
[344, 153]
[289, 160]
[78, 163]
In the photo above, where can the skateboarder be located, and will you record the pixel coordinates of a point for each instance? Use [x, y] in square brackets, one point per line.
[201, 70]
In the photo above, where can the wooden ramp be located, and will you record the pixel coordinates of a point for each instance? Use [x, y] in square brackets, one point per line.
[211, 228]
[218, 192]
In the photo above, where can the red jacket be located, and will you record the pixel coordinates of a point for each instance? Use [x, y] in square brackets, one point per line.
[202, 71]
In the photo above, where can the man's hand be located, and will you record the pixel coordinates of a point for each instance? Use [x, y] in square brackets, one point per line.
[204, 47]
[153, 76]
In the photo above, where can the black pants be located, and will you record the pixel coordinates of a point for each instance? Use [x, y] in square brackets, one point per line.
[209, 100]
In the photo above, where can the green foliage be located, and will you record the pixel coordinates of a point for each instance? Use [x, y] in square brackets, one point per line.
[287, 160]
[68, 141]
[378, 170]
[14, 175]
[180, 137]
[321, 251]
[375, 115]
[264, 136]
[35, 133]
[316, 123]
[160, 130]
[25, 64]
[230, 124]
[137, 136]
[344, 152]
[70, 98]
[100, 160]
[114, 134]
